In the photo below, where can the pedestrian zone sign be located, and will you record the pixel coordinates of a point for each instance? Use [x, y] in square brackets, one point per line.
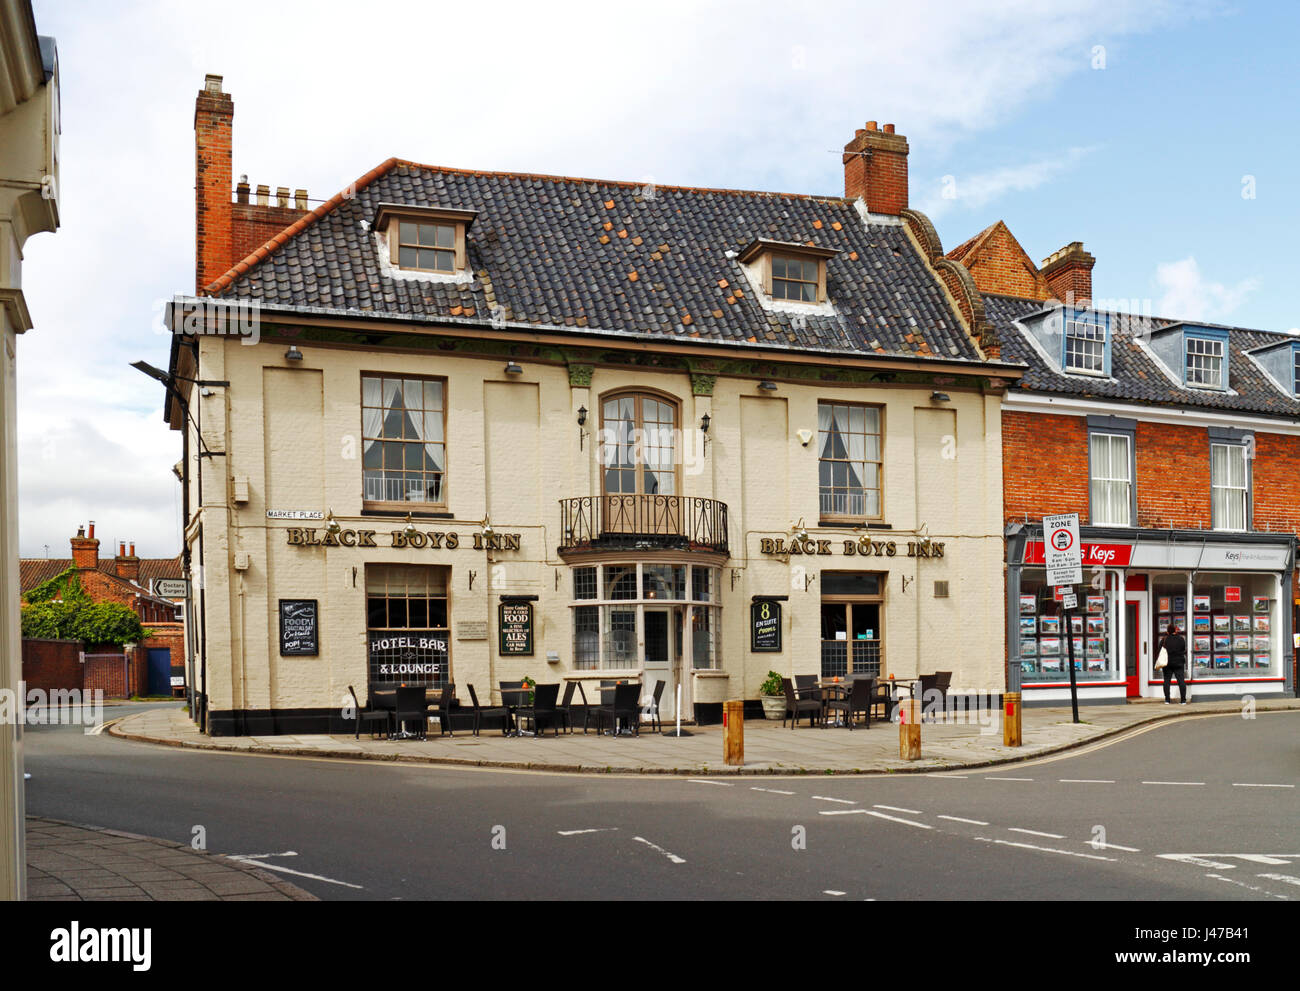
[1062, 549]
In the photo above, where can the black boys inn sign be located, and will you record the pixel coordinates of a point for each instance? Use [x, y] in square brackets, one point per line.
[299, 536]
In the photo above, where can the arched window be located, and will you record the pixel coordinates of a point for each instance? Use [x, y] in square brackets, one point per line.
[638, 450]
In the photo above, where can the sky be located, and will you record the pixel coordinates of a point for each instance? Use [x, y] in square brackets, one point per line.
[1162, 134]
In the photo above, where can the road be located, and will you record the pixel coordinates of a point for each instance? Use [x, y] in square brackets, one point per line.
[1197, 808]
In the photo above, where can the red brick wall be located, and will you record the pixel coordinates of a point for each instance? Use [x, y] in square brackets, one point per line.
[1044, 465]
[106, 674]
[1276, 477]
[213, 122]
[52, 664]
[1072, 283]
[254, 225]
[1173, 476]
[171, 636]
[1001, 266]
[875, 168]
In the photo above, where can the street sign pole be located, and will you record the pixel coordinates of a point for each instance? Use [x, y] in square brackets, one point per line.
[1074, 688]
[1064, 559]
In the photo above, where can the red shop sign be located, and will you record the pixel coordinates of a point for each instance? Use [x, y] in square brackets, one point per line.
[1232, 593]
[1094, 555]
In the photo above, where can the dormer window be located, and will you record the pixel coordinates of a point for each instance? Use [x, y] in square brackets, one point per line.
[425, 239]
[1280, 361]
[1085, 343]
[1295, 370]
[1203, 365]
[789, 272]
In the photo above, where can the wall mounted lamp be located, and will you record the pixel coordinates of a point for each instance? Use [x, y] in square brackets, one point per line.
[293, 354]
[939, 397]
[513, 369]
[582, 422]
[767, 385]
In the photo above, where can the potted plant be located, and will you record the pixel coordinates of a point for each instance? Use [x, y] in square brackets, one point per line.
[773, 696]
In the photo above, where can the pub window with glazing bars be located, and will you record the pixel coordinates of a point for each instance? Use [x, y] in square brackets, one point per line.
[848, 445]
[404, 453]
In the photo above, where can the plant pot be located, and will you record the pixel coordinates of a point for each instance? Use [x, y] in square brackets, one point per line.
[773, 706]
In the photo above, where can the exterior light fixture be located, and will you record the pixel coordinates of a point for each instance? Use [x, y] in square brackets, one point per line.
[488, 532]
[513, 369]
[293, 354]
[800, 531]
[704, 423]
[767, 385]
[331, 524]
[409, 529]
[582, 416]
[939, 397]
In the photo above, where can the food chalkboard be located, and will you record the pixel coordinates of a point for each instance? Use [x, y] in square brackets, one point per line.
[299, 629]
[765, 625]
[515, 628]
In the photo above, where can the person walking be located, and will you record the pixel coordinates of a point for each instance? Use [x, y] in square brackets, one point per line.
[1175, 647]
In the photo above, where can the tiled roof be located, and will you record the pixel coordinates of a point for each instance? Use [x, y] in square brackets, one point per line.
[1136, 375]
[602, 257]
[33, 571]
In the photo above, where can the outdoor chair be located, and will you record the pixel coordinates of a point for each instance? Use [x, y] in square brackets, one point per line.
[861, 697]
[795, 706]
[543, 708]
[494, 712]
[934, 693]
[565, 709]
[411, 708]
[942, 680]
[805, 686]
[368, 715]
[624, 706]
[650, 706]
[442, 710]
[510, 691]
[882, 695]
[589, 712]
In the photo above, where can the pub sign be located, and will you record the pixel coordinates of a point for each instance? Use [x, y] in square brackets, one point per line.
[515, 629]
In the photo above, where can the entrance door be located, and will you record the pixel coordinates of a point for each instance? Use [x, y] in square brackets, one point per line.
[1135, 643]
[850, 638]
[160, 671]
[659, 656]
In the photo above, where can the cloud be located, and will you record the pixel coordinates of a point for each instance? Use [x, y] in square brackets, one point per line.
[976, 190]
[1189, 295]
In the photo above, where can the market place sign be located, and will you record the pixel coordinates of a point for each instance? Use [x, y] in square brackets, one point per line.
[861, 547]
[298, 536]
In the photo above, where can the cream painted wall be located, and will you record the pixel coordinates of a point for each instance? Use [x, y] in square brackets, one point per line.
[515, 450]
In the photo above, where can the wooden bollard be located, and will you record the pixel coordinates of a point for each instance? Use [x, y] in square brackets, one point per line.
[1011, 719]
[909, 731]
[733, 732]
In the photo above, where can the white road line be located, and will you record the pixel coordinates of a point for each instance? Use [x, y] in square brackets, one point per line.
[906, 822]
[704, 781]
[1086, 781]
[1191, 858]
[827, 798]
[774, 791]
[1173, 782]
[1260, 858]
[1237, 784]
[843, 812]
[671, 856]
[955, 777]
[576, 832]
[895, 808]
[1008, 779]
[1114, 846]
[1285, 878]
[1034, 832]
[1248, 887]
[973, 822]
[1043, 849]
[828, 891]
[254, 862]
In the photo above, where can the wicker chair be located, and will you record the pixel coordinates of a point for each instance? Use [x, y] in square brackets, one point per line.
[795, 706]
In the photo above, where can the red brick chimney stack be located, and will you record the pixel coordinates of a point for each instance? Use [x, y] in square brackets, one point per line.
[1069, 274]
[214, 114]
[875, 168]
[127, 565]
[85, 549]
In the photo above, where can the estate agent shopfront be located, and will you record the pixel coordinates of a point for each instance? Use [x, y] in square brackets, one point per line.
[1230, 595]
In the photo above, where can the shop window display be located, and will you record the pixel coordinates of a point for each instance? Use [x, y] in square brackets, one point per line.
[1045, 638]
[1236, 610]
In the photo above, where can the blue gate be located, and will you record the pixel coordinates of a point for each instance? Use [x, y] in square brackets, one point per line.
[160, 671]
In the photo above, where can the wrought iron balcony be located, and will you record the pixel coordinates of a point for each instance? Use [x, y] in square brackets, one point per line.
[643, 522]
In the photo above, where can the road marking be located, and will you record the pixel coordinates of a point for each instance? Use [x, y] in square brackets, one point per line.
[828, 891]
[843, 812]
[576, 832]
[1285, 878]
[1191, 858]
[1248, 887]
[1034, 832]
[1260, 858]
[1086, 781]
[827, 798]
[906, 822]
[1236, 784]
[1043, 849]
[973, 822]
[895, 808]
[1114, 846]
[1008, 779]
[1173, 782]
[259, 856]
[704, 781]
[774, 791]
[671, 856]
[254, 861]
[956, 777]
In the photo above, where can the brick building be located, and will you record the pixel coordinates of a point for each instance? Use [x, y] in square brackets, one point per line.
[1177, 442]
[127, 580]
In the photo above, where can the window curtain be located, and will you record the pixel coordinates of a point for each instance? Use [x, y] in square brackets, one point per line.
[1228, 485]
[1110, 486]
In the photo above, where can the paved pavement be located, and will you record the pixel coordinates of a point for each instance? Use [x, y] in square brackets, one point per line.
[67, 862]
[962, 742]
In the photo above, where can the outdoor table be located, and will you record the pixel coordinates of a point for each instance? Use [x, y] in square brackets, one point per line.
[514, 699]
[832, 688]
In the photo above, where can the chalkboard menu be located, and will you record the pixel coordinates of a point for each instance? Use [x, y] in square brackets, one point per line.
[299, 629]
[765, 625]
[515, 629]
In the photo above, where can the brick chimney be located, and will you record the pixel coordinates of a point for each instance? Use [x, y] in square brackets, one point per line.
[1069, 274]
[85, 549]
[127, 565]
[875, 168]
[214, 114]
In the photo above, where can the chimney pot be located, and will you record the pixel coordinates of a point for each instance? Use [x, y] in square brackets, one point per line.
[889, 128]
[875, 169]
[81, 531]
[212, 83]
[263, 195]
[300, 199]
[121, 548]
[133, 548]
[92, 530]
[241, 191]
[282, 197]
[871, 125]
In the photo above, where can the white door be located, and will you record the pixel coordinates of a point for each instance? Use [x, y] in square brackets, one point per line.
[662, 628]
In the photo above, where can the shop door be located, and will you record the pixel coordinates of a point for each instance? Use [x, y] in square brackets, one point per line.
[659, 656]
[1135, 645]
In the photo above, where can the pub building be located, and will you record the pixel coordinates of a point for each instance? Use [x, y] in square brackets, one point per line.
[467, 427]
[1176, 442]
